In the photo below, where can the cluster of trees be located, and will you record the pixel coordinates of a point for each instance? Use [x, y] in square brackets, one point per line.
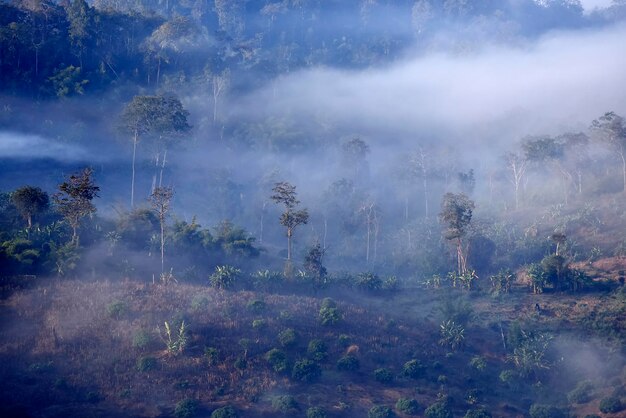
[63, 49]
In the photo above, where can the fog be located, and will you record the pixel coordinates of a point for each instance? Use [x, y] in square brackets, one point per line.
[488, 96]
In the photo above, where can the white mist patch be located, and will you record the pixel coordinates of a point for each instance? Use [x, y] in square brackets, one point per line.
[19, 145]
[562, 79]
[590, 5]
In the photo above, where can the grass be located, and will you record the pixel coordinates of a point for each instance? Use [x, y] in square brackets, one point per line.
[119, 356]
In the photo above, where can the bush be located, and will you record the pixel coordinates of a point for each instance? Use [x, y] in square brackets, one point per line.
[477, 413]
[344, 340]
[212, 355]
[545, 411]
[199, 303]
[368, 282]
[478, 363]
[224, 277]
[256, 306]
[413, 369]
[306, 371]
[285, 404]
[317, 350]
[224, 412]
[383, 375]
[187, 408]
[142, 339]
[439, 409]
[315, 412]
[582, 393]
[117, 309]
[146, 364]
[380, 411]
[329, 303]
[329, 316]
[240, 363]
[288, 338]
[259, 324]
[408, 406]
[348, 363]
[610, 405]
[277, 359]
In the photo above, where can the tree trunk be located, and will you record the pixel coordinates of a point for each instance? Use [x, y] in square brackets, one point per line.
[623, 170]
[288, 244]
[162, 246]
[132, 180]
[29, 218]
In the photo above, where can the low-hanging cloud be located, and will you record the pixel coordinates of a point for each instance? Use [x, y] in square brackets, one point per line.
[561, 81]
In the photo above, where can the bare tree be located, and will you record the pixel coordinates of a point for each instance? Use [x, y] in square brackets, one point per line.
[517, 166]
[160, 200]
[371, 215]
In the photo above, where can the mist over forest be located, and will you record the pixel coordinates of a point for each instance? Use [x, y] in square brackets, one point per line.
[401, 193]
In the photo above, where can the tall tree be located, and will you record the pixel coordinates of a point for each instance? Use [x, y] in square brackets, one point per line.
[29, 202]
[516, 165]
[285, 194]
[74, 199]
[160, 116]
[610, 128]
[160, 200]
[456, 213]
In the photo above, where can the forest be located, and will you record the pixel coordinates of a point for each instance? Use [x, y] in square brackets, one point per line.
[357, 208]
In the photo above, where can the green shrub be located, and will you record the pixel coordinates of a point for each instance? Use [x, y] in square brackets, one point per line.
[380, 411]
[117, 309]
[285, 404]
[348, 363]
[317, 350]
[187, 408]
[582, 393]
[306, 371]
[413, 369]
[142, 339]
[199, 303]
[478, 363]
[146, 364]
[329, 316]
[545, 411]
[240, 363]
[477, 413]
[439, 409]
[408, 406]
[383, 375]
[610, 405]
[315, 412]
[224, 412]
[224, 277]
[277, 359]
[288, 338]
[256, 306]
[368, 282]
[328, 303]
[344, 340]
[390, 284]
[259, 324]
[212, 355]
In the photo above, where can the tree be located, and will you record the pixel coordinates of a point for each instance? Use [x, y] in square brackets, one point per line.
[313, 263]
[30, 201]
[74, 199]
[456, 212]
[354, 154]
[163, 116]
[285, 194]
[610, 128]
[517, 165]
[160, 200]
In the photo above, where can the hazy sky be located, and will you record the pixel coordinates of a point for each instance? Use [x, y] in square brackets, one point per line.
[591, 4]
